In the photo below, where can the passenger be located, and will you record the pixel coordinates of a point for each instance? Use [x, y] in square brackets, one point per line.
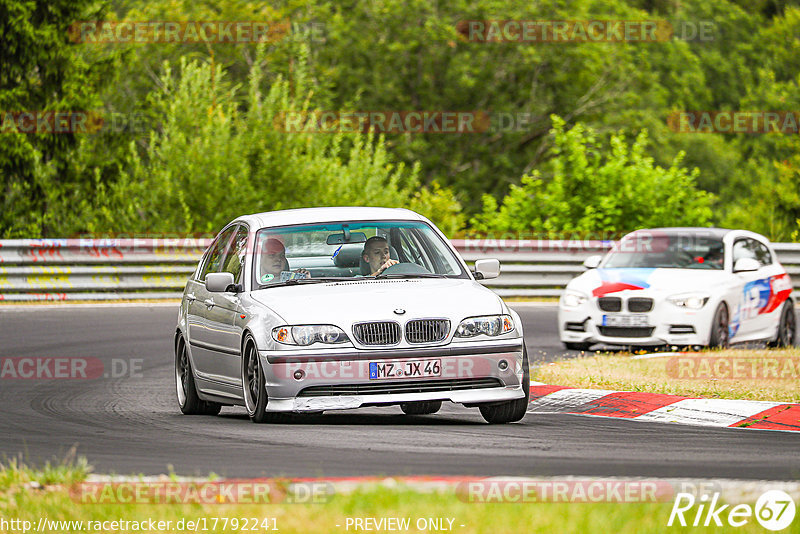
[376, 255]
[715, 257]
[274, 263]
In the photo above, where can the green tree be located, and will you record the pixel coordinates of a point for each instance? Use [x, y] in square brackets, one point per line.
[596, 189]
[219, 153]
[41, 71]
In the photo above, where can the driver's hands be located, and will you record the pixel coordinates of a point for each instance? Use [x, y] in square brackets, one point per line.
[385, 266]
[304, 272]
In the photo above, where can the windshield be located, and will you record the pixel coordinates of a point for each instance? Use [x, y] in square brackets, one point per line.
[681, 251]
[355, 249]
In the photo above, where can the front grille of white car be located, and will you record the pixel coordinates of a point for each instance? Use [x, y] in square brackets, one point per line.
[427, 330]
[639, 305]
[377, 333]
[610, 304]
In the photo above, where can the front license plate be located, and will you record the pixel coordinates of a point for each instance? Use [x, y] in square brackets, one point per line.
[405, 369]
[625, 320]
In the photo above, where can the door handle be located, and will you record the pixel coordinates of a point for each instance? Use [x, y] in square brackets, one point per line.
[209, 303]
[190, 297]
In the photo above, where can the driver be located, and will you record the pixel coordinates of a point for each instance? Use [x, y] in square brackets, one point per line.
[376, 254]
[273, 262]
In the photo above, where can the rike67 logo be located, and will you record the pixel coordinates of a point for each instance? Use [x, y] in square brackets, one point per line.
[774, 510]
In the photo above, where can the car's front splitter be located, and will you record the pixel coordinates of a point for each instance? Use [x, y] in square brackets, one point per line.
[348, 402]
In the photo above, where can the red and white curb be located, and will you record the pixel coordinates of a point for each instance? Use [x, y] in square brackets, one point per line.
[659, 408]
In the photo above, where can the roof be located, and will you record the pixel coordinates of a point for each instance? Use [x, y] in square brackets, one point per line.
[717, 233]
[330, 214]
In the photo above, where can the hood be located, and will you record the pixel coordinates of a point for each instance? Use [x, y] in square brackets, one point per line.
[343, 303]
[600, 282]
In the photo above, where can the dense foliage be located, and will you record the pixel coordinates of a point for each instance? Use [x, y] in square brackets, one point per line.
[591, 190]
[578, 142]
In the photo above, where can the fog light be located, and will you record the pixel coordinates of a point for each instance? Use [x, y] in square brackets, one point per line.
[299, 374]
[502, 365]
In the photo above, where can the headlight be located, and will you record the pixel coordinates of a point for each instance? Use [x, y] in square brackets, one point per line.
[692, 301]
[490, 325]
[573, 299]
[308, 334]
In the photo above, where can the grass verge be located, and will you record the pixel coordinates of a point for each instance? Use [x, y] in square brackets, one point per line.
[768, 375]
[28, 494]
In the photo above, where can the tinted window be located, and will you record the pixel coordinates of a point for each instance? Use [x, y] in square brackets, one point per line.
[673, 251]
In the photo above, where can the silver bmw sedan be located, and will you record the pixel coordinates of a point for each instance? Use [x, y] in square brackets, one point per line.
[320, 309]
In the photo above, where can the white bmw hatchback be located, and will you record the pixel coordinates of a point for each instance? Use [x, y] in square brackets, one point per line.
[323, 309]
[681, 287]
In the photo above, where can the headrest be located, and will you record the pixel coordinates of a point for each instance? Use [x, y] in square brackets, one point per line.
[348, 255]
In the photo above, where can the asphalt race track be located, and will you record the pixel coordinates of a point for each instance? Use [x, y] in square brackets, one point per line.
[131, 424]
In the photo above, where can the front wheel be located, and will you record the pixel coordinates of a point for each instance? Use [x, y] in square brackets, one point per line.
[188, 400]
[254, 386]
[514, 410]
[787, 328]
[719, 328]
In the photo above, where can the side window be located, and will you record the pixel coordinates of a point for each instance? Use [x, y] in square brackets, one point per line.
[750, 248]
[741, 249]
[234, 260]
[762, 253]
[216, 254]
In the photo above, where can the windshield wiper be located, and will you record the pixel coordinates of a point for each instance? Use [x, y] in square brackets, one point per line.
[416, 275]
[298, 281]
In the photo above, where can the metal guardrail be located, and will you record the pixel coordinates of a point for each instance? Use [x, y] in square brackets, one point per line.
[110, 269]
[96, 269]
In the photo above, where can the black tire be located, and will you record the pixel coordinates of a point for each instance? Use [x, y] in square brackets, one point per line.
[720, 337]
[514, 410]
[577, 346]
[421, 407]
[188, 400]
[787, 328]
[254, 388]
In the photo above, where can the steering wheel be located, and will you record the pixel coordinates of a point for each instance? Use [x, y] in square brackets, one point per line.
[687, 256]
[406, 268]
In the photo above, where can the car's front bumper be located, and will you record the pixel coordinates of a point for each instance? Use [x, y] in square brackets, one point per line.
[471, 373]
[668, 324]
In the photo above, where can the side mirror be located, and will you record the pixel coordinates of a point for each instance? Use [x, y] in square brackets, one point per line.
[592, 262]
[485, 269]
[744, 265]
[219, 282]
